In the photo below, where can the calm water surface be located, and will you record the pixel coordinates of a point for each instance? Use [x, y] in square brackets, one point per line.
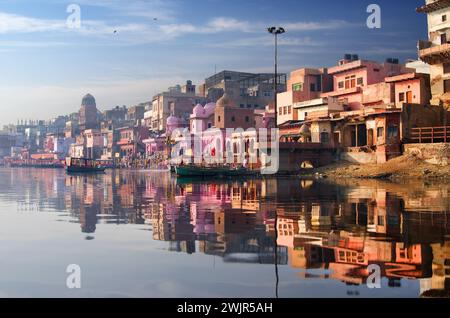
[137, 234]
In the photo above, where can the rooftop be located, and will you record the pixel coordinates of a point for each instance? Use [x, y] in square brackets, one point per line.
[434, 6]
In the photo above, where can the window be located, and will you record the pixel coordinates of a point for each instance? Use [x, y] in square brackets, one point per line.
[341, 85]
[289, 110]
[447, 86]
[381, 220]
[256, 106]
[360, 81]
[443, 38]
[233, 119]
[312, 87]
[325, 137]
[285, 110]
[241, 105]
[218, 119]
[247, 119]
[444, 18]
[392, 132]
[376, 69]
[380, 132]
[209, 125]
[350, 82]
[280, 111]
[401, 97]
[298, 87]
[249, 106]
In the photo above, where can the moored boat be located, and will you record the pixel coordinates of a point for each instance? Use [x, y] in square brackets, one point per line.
[199, 171]
[83, 165]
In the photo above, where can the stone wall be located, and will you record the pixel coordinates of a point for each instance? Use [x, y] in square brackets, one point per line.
[359, 157]
[437, 154]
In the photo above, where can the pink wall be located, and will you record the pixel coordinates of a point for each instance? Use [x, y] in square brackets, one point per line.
[413, 86]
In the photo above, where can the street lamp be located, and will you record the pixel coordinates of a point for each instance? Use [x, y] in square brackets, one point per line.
[276, 31]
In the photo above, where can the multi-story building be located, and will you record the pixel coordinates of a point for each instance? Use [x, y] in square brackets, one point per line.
[436, 50]
[94, 143]
[248, 90]
[117, 114]
[178, 101]
[360, 83]
[135, 114]
[303, 85]
[131, 139]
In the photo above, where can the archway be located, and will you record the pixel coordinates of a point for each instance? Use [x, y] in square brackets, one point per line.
[305, 165]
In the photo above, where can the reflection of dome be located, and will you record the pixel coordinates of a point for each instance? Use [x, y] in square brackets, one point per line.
[198, 110]
[225, 101]
[88, 100]
[172, 121]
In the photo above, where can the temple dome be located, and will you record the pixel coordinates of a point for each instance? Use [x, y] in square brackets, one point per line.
[225, 101]
[304, 130]
[88, 100]
[198, 110]
[210, 107]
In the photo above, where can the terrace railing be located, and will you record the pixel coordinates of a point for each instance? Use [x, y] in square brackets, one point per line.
[430, 135]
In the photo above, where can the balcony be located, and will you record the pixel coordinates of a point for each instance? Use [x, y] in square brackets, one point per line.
[434, 54]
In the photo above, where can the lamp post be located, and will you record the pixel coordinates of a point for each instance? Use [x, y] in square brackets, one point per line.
[276, 31]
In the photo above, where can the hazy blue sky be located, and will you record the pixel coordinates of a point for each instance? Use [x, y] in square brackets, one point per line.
[46, 67]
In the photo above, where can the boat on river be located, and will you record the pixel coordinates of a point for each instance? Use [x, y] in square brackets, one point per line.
[84, 165]
[213, 171]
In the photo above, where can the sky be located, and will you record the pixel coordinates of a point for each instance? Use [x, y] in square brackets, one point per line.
[126, 51]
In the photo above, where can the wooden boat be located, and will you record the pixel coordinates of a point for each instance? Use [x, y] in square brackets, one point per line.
[83, 165]
[198, 171]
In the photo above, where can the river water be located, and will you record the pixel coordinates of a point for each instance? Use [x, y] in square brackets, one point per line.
[147, 234]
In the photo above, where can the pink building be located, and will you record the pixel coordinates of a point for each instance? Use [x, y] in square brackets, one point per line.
[362, 83]
[303, 85]
[94, 143]
[158, 144]
[202, 118]
[411, 88]
[131, 141]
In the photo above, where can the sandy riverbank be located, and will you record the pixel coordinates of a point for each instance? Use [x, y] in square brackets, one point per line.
[398, 168]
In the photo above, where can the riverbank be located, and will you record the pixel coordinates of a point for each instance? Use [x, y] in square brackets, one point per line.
[406, 166]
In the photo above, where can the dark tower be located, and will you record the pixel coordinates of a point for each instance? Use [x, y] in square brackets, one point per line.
[88, 113]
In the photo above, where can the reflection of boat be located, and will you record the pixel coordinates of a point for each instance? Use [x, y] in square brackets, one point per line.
[83, 165]
[197, 171]
[43, 165]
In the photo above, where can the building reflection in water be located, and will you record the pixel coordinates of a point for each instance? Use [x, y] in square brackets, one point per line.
[324, 230]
